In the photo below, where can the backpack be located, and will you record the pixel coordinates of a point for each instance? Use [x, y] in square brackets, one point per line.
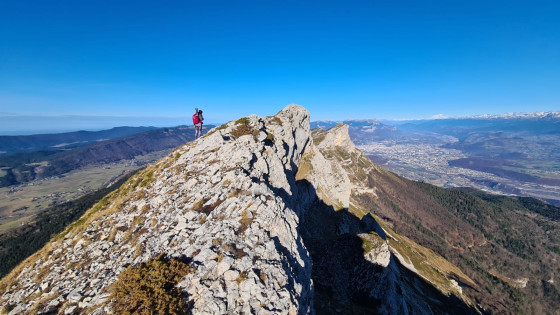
[195, 119]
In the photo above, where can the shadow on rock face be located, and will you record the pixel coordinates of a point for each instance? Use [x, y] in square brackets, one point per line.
[346, 283]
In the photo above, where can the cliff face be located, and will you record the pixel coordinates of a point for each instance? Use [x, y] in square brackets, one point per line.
[359, 263]
[266, 216]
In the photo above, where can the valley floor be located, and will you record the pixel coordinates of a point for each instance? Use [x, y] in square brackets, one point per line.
[19, 204]
[429, 162]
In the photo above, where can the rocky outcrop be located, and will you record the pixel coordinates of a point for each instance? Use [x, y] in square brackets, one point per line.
[263, 211]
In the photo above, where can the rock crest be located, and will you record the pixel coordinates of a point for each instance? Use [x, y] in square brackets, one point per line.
[222, 201]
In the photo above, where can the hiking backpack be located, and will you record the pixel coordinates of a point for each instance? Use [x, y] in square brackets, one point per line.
[195, 119]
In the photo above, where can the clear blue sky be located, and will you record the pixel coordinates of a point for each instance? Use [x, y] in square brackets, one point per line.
[340, 59]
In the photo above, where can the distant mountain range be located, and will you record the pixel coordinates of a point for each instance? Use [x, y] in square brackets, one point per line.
[373, 121]
[14, 144]
[533, 115]
[50, 157]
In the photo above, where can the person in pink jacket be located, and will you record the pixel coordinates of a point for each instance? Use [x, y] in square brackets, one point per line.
[197, 122]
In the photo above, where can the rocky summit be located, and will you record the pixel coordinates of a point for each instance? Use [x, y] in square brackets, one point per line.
[265, 215]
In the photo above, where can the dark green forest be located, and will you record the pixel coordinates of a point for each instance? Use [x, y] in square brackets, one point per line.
[523, 241]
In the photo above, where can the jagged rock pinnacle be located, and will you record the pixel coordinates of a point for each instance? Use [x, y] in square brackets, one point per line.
[337, 136]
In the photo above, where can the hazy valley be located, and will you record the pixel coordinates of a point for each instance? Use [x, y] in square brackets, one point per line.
[517, 155]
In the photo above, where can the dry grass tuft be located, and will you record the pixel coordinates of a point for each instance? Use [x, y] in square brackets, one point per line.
[262, 276]
[243, 128]
[244, 222]
[242, 277]
[219, 257]
[238, 253]
[150, 288]
[206, 209]
[146, 208]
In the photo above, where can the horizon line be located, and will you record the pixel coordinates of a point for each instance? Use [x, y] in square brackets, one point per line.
[438, 116]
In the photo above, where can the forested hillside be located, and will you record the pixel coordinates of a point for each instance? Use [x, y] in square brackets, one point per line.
[510, 246]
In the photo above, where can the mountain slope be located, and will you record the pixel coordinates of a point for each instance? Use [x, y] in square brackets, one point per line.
[508, 246]
[263, 215]
[234, 207]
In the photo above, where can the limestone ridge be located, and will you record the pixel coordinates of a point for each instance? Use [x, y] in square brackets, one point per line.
[224, 201]
[268, 215]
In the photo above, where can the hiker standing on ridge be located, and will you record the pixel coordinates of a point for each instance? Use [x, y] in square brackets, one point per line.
[197, 122]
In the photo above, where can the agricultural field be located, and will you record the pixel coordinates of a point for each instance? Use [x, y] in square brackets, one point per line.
[19, 204]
